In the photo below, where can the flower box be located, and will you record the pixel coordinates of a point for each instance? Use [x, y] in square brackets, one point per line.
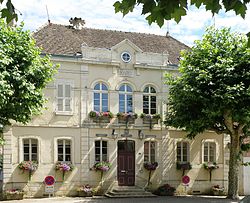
[217, 190]
[150, 118]
[86, 191]
[126, 118]
[64, 167]
[28, 166]
[13, 194]
[100, 117]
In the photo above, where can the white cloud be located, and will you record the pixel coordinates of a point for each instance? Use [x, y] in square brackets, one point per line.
[100, 14]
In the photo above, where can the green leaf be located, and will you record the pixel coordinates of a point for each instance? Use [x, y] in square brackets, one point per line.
[248, 43]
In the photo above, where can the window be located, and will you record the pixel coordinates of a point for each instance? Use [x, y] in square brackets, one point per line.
[149, 151]
[101, 97]
[182, 151]
[126, 57]
[30, 150]
[209, 153]
[63, 150]
[125, 99]
[64, 97]
[101, 150]
[149, 100]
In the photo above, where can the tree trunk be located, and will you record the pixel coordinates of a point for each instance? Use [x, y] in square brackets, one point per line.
[233, 174]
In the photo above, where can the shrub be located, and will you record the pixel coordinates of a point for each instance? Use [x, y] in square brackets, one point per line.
[165, 190]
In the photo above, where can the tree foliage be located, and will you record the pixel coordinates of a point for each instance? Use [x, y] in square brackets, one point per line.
[157, 11]
[23, 75]
[8, 11]
[213, 92]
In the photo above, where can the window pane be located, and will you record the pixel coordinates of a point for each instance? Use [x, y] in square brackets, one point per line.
[104, 87]
[34, 157]
[97, 143]
[145, 98]
[146, 151]
[104, 150]
[97, 157]
[104, 144]
[60, 90]
[129, 89]
[122, 88]
[60, 104]
[121, 103]
[121, 145]
[67, 105]
[26, 157]
[96, 96]
[104, 157]
[67, 157]
[60, 157]
[67, 90]
[105, 96]
[97, 86]
[129, 103]
[146, 90]
[152, 90]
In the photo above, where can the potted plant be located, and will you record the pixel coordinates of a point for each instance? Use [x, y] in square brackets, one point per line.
[150, 166]
[13, 194]
[101, 116]
[64, 167]
[217, 190]
[126, 117]
[183, 166]
[28, 166]
[165, 190]
[150, 119]
[210, 167]
[102, 166]
[86, 191]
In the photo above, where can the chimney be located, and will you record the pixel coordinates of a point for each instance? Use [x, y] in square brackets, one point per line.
[77, 23]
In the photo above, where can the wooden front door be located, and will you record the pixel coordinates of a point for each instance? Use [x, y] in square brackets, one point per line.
[126, 163]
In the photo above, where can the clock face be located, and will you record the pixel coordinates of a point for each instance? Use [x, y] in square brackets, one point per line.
[126, 57]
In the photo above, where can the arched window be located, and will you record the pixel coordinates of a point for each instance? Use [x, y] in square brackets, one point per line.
[125, 99]
[149, 100]
[101, 97]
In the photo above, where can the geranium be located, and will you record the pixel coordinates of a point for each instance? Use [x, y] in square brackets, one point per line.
[96, 114]
[183, 166]
[29, 166]
[127, 115]
[64, 167]
[102, 166]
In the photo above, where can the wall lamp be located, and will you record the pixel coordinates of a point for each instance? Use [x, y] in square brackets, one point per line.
[140, 134]
[114, 135]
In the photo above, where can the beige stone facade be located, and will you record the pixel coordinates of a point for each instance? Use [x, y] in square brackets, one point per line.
[82, 73]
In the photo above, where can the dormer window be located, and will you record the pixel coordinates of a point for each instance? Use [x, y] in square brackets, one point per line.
[126, 57]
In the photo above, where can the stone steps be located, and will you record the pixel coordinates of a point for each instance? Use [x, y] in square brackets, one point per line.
[128, 191]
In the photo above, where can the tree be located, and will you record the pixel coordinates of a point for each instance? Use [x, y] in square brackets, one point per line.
[157, 11]
[23, 75]
[213, 93]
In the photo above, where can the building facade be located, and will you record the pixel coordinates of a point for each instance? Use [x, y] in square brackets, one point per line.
[101, 73]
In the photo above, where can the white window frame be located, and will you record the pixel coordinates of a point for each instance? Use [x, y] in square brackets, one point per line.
[188, 151]
[101, 155]
[100, 92]
[64, 149]
[149, 150]
[126, 93]
[21, 143]
[149, 94]
[71, 147]
[64, 83]
[125, 60]
[216, 153]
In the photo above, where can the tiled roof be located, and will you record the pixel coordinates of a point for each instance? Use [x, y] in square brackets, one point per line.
[64, 40]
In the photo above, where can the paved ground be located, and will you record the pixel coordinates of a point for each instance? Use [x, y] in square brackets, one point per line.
[187, 199]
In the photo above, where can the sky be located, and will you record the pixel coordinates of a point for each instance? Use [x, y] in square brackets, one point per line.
[100, 14]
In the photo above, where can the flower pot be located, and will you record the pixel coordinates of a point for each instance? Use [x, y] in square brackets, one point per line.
[85, 194]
